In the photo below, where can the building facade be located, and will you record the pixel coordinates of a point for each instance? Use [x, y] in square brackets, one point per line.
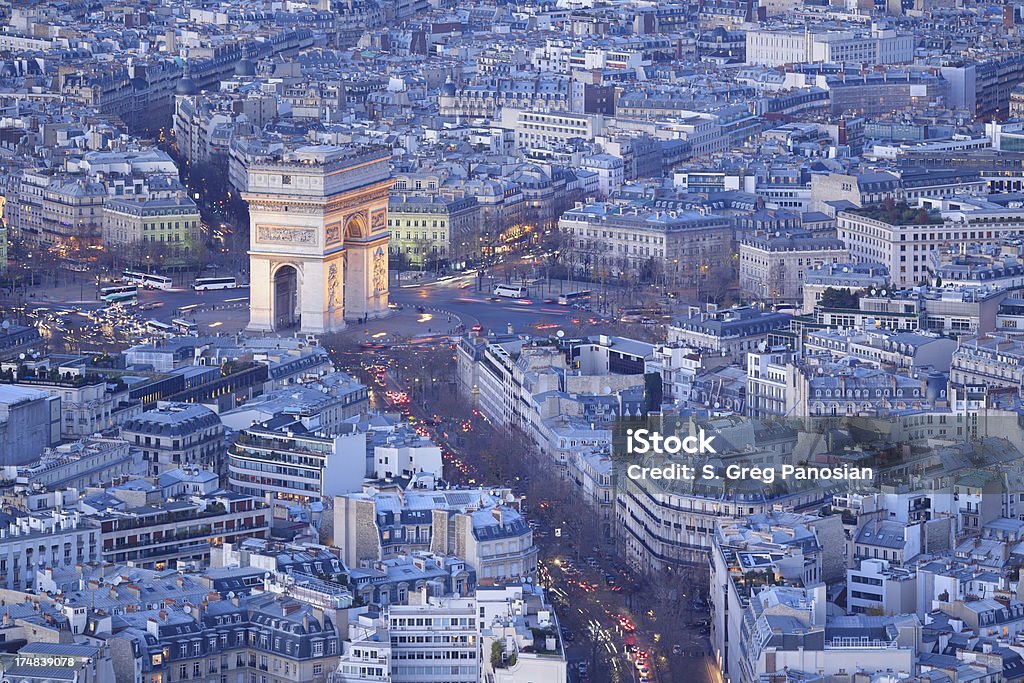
[175, 435]
[773, 268]
[433, 231]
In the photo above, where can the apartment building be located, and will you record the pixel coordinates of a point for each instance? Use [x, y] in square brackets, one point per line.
[903, 240]
[478, 526]
[993, 360]
[430, 639]
[170, 224]
[161, 533]
[663, 524]
[238, 639]
[679, 247]
[749, 554]
[177, 434]
[550, 93]
[283, 460]
[434, 638]
[433, 231]
[876, 585]
[773, 267]
[92, 461]
[849, 277]
[535, 128]
[57, 538]
[730, 332]
[883, 348]
[29, 423]
[771, 382]
[770, 47]
[88, 404]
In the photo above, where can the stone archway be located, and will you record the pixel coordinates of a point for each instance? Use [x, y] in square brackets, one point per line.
[311, 253]
[286, 297]
[355, 227]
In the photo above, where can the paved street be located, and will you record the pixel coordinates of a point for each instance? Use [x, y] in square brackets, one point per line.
[459, 299]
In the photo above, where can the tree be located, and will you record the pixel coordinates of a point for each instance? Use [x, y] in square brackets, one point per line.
[839, 298]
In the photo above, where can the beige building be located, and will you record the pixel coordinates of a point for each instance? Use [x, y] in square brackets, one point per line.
[62, 211]
[879, 46]
[472, 524]
[902, 240]
[86, 405]
[430, 231]
[200, 119]
[993, 361]
[483, 100]
[170, 224]
[1017, 102]
[773, 268]
[679, 247]
[538, 128]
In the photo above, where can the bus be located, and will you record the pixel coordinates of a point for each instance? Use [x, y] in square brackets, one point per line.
[118, 289]
[184, 326]
[119, 293]
[204, 283]
[569, 298]
[159, 327]
[74, 265]
[148, 280]
[510, 291]
[124, 298]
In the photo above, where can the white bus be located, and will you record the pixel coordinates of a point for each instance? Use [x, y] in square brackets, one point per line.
[116, 293]
[159, 327]
[129, 297]
[148, 280]
[184, 326]
[570, 298]
[204, 283]
[510, 291]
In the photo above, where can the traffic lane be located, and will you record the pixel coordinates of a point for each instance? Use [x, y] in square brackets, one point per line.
[497, 315]
[215, 308]
[175, 299]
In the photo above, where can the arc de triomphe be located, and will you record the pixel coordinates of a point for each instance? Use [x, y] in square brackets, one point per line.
[318, 238]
